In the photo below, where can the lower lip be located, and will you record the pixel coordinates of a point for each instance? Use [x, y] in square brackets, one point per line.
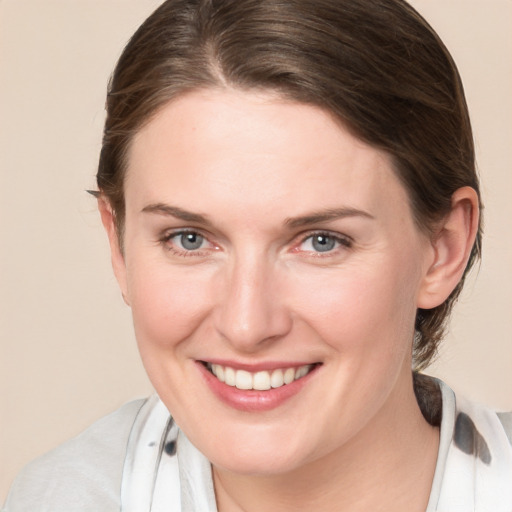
[253, 400]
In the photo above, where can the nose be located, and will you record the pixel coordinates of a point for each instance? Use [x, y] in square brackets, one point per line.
[251, 306]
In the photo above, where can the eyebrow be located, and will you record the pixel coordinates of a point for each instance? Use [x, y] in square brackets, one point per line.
[327, 215]
[179, 213]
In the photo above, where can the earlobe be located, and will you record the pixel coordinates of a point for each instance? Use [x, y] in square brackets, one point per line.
[117, 256]
[452, 245]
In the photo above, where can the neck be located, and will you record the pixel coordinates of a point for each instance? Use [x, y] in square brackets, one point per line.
[389, 465]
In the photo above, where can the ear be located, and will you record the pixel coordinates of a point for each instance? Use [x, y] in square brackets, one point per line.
[452, 244]
[116, 252]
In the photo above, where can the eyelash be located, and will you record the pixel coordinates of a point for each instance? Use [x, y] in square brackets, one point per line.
[342, 241]
[167, 237]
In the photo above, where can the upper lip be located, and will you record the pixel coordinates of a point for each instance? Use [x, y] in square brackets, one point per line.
[260, 366]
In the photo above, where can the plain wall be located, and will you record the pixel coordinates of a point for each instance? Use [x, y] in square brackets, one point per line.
[67, 353]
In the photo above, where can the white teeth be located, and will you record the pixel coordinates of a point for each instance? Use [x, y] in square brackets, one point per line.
[229, 376]
[262, 380]
[218, 371]
[289, 375]
[243, 380]
[277, 379]
[301, 372]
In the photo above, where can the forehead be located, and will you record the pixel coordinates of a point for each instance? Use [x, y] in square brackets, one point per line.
[242, 149]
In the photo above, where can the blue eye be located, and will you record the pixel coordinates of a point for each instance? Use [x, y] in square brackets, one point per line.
[189, 241]
[323, 242]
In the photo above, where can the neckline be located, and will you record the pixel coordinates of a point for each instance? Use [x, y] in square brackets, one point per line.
[445, 438]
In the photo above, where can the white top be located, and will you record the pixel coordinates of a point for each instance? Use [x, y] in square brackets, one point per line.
[137, 460]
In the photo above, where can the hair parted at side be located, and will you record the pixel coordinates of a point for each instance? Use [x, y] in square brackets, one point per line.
[376, 65]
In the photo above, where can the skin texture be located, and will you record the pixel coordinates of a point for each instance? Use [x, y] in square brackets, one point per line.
[257, 290]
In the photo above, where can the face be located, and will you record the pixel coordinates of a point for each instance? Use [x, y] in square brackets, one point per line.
[274, 269]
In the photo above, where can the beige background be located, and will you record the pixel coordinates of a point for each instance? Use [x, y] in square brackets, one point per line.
[68, 354]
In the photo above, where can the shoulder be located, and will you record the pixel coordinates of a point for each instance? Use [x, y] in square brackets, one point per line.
[483, 433]
[506, 420]
[478, 433]
[474, 470]
[82, 474]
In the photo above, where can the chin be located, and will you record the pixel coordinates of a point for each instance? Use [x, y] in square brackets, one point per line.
[257, 465]
[261, 455]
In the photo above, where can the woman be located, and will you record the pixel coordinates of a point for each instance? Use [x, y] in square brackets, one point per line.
[290, 196]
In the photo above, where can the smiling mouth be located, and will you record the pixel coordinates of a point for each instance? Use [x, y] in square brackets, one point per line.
[261, 380]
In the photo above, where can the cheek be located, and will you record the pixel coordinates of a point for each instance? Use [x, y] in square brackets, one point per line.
[359, 310]
[167, 303]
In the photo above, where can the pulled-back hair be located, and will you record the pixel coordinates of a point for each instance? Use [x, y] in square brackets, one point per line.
[376, 65]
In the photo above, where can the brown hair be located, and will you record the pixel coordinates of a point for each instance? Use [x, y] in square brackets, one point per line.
[375, 65]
